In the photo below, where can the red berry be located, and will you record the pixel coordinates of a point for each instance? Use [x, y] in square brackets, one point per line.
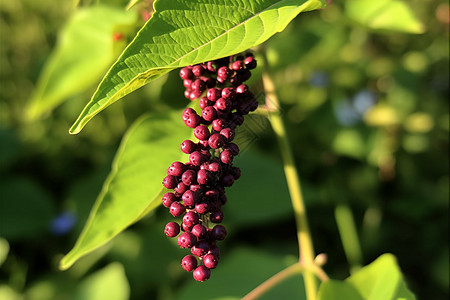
[201, 273]
[189, 263]
[210, 261]
[172, 229]
[186, 240]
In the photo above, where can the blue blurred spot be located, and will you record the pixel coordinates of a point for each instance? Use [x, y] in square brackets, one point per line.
[364, 100]
[319, 79]
[346, 114]
[63, 223]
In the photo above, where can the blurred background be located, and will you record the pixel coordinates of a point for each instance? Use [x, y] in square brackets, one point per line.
[364, 89]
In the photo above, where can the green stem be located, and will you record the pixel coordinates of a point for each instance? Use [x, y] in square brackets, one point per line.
[349, 236]
[304, 237]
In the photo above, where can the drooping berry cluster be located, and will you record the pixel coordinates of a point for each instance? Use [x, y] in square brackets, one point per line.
[199, 185]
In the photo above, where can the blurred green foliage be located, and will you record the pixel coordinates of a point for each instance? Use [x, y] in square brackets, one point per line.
[367, 113]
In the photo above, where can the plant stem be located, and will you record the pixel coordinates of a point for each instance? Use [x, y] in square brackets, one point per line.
[273, 281]
[304, 237]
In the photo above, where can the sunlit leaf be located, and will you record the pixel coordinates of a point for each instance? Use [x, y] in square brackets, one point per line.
[135, 182]
[334, 289]
[109, 283]
[384, 14]
[381, 280]
[186, 32]
[86, 47]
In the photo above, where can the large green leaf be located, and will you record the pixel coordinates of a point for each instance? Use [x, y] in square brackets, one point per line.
[135, 182]
[384, 14]
[334, 290]
[381, 280]
[85, 49]
[186, 32]
[109, 283]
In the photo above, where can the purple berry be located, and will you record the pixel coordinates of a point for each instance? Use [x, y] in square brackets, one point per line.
[216, 217]
[242, 89]
[180, 189]
[189, 176]
[200, 249]
[236, 172]
[177, 209]
[214, 167]
[250, 62]
[228, 133]
[189, 263]
[237, 65]
[227, 180]
[209, 113]
[201, 132]
[196, 158]
[210, 261]
[188, 146]
[201, 273]
[190, 219]
[226, 157]
[172, 229]
[218, 124]
[228, 93]
[186, 240]
[176, 169]
[202, 208]
[213, 94]
[186, 73]
[222, 104]
[219, 233]
[215, 141]
[204, 102]
[168, 199]
[170, 181]
[199, 230]
[204, 176]
[189, 198]
[198, 70]
[193, 120]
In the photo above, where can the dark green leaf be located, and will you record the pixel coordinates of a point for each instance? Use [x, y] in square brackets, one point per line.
[134, 185]
[186, 32]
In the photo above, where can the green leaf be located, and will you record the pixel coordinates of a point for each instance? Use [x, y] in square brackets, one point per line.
[381, 280]
[134, 185]
[109, 283]
[384, 14]
[85, 49]
[333, 289]
[186, 32]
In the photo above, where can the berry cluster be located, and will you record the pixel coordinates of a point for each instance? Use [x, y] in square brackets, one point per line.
[199, 185]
